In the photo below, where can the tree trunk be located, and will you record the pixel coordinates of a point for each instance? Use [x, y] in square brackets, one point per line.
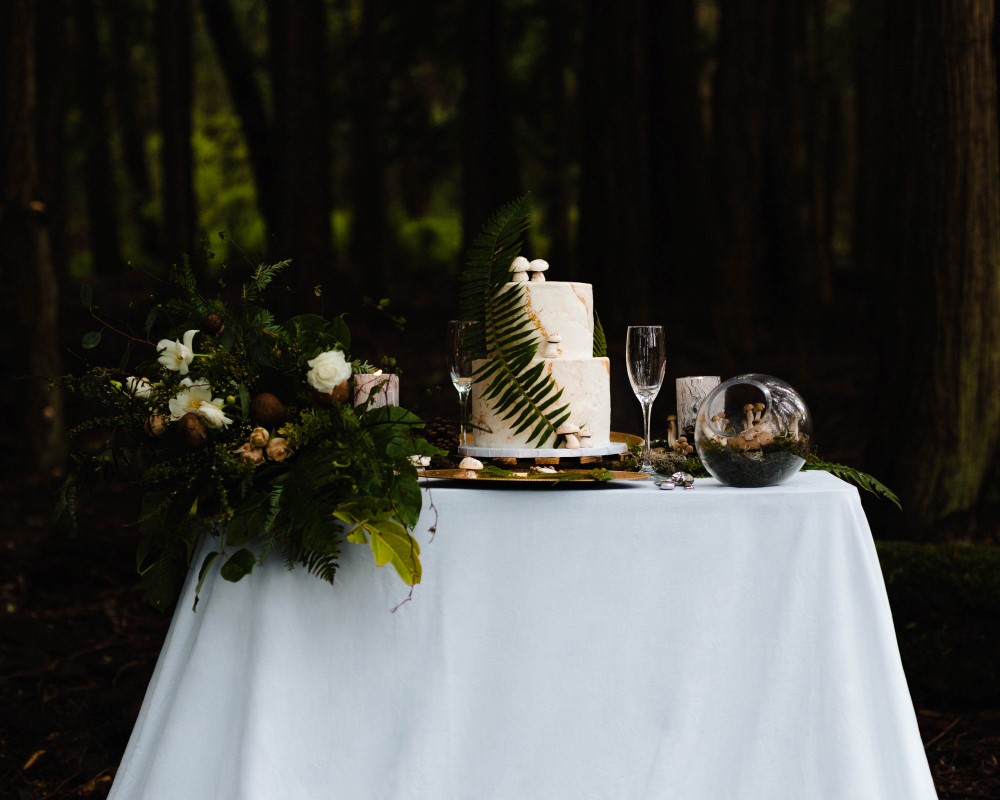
[369, 232]
[238, 66]
[53, 90]
[130, 128]
[490, 173]
[99, 185]
[940, 417]
[678, 167]
[25, 263]
[302, 131]
[173, 26]
[741, 107]
[615, 241]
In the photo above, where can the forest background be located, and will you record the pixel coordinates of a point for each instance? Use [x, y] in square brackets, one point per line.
[806, 188]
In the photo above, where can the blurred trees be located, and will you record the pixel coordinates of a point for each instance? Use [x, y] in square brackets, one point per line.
[771, 179]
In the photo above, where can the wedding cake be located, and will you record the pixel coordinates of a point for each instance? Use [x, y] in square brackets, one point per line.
[562, 315]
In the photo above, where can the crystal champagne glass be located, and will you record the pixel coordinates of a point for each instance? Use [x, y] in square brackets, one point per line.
[460, 352]
[646, 359]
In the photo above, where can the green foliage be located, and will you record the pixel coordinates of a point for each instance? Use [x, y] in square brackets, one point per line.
[260, 484]
[855, 476]
[519, 390]
[945, 602]
[600, 340]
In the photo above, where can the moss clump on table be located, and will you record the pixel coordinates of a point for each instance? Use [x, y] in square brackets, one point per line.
[945, 601]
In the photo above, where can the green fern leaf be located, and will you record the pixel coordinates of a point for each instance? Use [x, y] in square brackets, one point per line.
[600, 340]
[857, 477]
[519, 390]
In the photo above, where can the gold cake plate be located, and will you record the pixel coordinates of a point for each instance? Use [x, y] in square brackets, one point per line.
[567, 476]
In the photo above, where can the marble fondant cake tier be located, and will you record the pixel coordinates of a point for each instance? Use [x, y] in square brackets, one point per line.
[561, 307]
[586, 389]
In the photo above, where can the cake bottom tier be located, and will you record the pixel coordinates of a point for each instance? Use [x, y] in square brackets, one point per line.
[586, 386]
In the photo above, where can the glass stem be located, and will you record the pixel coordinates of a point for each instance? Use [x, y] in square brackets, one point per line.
[647, 413]
[463, 399]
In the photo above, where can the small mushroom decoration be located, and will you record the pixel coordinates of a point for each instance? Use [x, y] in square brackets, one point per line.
[585, 436]
[538, 267]
[551, 347]
[681, 446]
[569, 430]
[470, 466]
[519, 269]
[793, 426]
[748, 416]
[671, 430]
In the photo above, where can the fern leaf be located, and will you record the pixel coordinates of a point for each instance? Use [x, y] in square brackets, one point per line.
[600, 340]
[520, 391]
[857, 477]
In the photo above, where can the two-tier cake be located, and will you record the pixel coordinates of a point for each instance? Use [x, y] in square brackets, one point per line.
[562, 315]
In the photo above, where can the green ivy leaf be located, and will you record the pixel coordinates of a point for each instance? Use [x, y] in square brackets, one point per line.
[90, 340]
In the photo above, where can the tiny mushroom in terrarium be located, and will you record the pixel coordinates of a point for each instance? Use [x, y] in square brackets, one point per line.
[470, 466]
[748, 418]
[538, 267]
[671, 430]
[551, 347]
[569, 430]
[585, 436]
[758, 410]
[793, 426]
[519, 268]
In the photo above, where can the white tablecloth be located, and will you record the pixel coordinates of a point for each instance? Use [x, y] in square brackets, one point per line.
[620, 643]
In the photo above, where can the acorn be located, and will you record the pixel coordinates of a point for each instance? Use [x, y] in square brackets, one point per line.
[192, 430]
[267, 410]
[213, 323]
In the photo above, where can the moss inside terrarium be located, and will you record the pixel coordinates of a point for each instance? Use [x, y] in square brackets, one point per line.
[765, 466]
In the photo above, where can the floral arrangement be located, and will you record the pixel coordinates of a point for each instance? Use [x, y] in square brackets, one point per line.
[240, 425]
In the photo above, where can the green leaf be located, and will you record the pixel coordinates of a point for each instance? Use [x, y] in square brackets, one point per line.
[372, 519]
[517, 388]
[394, 545]
[238, 564]
[202, 574]
[90, 340]
[857, 477]
[600, 340]
[150, 319]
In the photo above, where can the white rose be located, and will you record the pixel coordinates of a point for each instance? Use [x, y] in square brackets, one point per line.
[329, 370]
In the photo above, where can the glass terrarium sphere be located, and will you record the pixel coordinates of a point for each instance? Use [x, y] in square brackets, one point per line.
[753, 430]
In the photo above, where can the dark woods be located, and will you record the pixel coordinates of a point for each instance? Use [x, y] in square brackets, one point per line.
[809, 188]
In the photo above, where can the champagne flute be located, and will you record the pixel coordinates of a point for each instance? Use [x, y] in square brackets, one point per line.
[460, 341]
[646, 358]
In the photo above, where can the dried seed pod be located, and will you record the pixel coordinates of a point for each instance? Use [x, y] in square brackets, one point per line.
[267, 409]
[192, 430]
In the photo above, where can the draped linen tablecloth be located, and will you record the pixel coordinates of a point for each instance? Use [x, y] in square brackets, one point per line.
[614, 642]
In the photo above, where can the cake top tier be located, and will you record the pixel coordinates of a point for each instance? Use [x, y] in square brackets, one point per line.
[563, 308]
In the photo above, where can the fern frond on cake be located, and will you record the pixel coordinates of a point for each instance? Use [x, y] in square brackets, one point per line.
[521, 391]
